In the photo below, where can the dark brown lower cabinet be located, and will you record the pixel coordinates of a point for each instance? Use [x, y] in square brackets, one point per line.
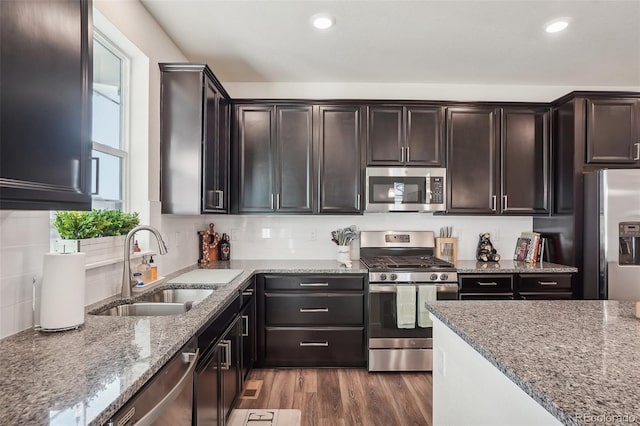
[539, 286]
[311, 321]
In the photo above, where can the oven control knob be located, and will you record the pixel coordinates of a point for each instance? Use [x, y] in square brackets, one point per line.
[444, 277]
[433, 277]
[383, 277]
[393, 277]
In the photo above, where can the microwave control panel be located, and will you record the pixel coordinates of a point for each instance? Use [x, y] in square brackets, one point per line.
[437, 189]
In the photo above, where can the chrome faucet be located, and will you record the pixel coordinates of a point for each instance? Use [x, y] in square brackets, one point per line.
[127, 280]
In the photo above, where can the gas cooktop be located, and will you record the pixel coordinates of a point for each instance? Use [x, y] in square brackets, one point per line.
[423, 263]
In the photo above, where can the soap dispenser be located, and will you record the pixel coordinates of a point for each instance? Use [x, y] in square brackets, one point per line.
[153, 270]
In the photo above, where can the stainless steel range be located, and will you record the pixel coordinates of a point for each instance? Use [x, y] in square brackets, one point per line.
[400, 259]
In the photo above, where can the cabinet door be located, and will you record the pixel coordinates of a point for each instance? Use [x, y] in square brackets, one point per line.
[472, 154]
[524, 148]
[424, 136]
[294, 174]
[340, 171]
[255, 143]
[248, 317]
[207, 387]
[230, 367]
[612, 131]
[215, 168]
[46, 105]
[385, 141]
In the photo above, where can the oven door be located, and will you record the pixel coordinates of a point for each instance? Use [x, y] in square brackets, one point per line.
[404, 189]
[382, 321]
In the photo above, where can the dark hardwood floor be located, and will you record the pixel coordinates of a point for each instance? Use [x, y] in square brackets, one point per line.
[346, 397]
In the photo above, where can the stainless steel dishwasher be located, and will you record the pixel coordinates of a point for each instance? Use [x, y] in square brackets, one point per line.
[167, 399]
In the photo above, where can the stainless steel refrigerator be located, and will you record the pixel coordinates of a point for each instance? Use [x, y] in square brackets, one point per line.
[612, 233]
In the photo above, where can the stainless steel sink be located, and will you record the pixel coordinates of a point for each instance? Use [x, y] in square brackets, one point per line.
[146, 309]
[177, 295]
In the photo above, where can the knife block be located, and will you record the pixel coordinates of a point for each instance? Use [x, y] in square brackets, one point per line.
[447, 249]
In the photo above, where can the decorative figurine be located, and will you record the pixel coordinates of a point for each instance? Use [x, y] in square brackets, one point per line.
[209, 240]
[485, 251]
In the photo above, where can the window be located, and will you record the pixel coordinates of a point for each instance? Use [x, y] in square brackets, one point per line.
[109, 125]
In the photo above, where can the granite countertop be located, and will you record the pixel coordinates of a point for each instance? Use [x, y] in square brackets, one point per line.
[511, 267]
[579, 359]
[84, 376]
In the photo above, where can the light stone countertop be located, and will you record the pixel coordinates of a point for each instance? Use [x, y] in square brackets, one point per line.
[579, 359]
[512, 267]
[82, 377]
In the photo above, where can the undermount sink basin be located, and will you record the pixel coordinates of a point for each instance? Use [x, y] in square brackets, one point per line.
[146, 309]
[177, 295]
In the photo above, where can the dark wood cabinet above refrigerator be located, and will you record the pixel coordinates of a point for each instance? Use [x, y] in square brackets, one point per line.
[45, 99]
[194, 141]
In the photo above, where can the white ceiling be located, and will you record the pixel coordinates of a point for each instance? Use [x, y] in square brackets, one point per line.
[452, 42]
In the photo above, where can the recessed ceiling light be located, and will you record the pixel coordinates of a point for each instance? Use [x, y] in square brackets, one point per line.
[323, 21]
[556, 25]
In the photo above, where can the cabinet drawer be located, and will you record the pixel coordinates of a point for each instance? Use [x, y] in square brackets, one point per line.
[486, 296]
[315, 347]
[314, 282]
[545, 283]
[314, 309]
[484, 283]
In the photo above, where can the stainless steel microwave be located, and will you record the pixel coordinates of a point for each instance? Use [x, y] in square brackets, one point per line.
[405, 189]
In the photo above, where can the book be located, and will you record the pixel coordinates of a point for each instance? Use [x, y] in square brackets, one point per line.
[522, 249]
[534, 246]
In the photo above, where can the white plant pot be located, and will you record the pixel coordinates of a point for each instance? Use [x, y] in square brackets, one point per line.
[96, 249]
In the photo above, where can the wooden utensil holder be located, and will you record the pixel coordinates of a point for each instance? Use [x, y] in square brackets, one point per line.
[447, 249]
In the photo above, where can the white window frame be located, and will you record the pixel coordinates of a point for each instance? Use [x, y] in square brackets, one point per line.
[125, 106]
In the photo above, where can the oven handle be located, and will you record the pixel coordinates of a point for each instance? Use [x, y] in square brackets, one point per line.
[391, 288]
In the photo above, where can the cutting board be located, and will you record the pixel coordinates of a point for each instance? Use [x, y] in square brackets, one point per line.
[207, 276]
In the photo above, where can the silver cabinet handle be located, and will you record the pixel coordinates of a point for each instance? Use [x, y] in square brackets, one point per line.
[402, 154]
[278, 201]
[325, 343]
[245, 326]
[548, 282]
[97, 174]
[185, 380]
[408, 159]
[314, 284]
[358, 201]
[220, 204]
[248, 292]
[310, 310]
[271, 202]
[491, 283]
[226, 362]
[505, 198]
[637, 157]
[494, 202]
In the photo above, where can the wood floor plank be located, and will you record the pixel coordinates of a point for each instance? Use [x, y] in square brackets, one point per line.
[349, 397]
[330, 402]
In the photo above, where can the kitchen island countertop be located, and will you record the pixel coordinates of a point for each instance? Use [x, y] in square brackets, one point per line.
[84, 376]
[578, 359]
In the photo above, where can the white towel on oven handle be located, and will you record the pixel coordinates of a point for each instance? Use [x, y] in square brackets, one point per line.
[406, 306]
[426, 293]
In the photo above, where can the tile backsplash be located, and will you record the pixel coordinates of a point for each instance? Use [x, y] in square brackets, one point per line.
[24, 238]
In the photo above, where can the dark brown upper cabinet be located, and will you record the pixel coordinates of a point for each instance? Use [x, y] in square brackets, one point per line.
[498, 169]
[340, 170]
[275, 158]
[472, 160]
[524, 160]
[194, 140]
[45, 99]
[405, 136]
[613, 131]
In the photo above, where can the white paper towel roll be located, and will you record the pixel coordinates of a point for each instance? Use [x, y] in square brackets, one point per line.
[62, 295]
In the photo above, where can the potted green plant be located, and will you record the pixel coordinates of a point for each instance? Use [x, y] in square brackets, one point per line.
[99, 233]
